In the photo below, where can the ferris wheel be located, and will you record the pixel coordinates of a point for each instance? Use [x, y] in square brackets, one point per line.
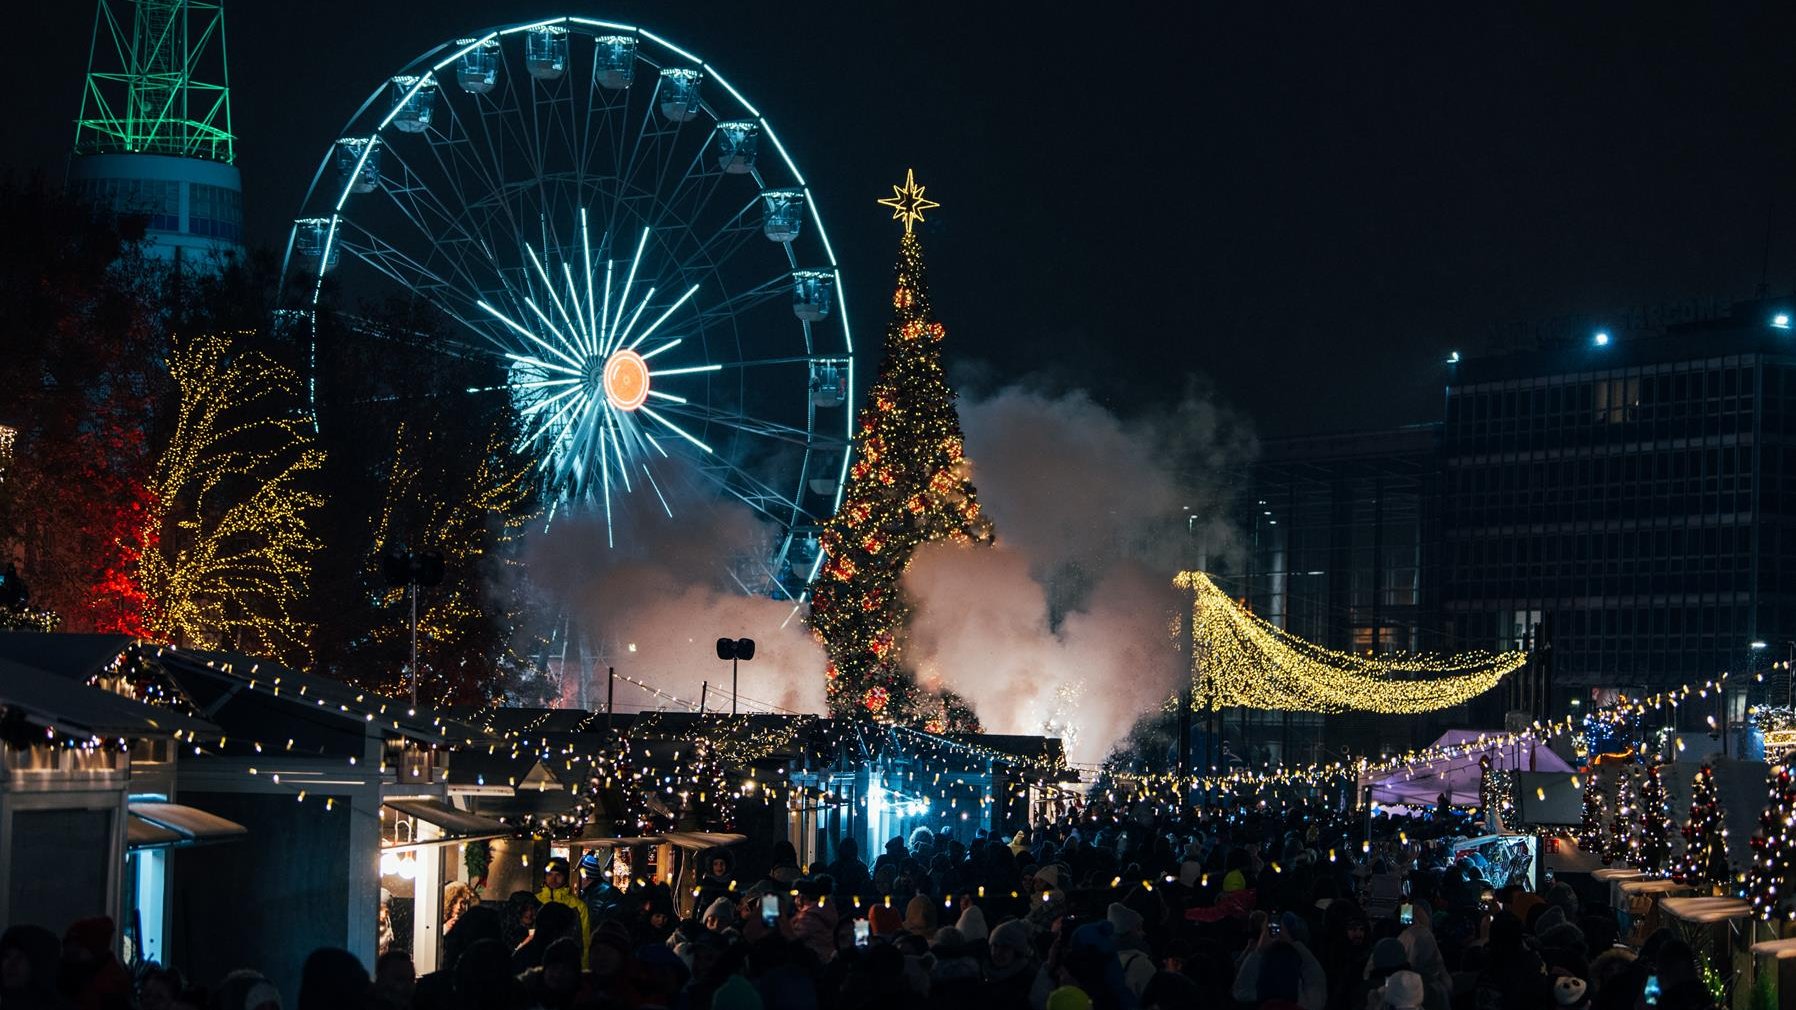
[602, 212]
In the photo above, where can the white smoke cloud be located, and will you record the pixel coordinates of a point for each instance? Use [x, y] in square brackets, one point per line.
[654, 605]
[1069, 618]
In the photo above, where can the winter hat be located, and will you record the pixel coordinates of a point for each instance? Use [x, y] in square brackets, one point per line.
[1568, 991]
[554, 865]
[736, 993]
[1123, 918]
[1069, 998]
[884, 920]
[1403, 990]
[1048, 877]
[1013, 934]
[1561, 895]
[949, 942]
[1564, 936]
[972, 924]
[1019, 844]
[1553, 916]
[723, 910]
[919, 916]
[565, 951]
[613, 934]
[1387, 954]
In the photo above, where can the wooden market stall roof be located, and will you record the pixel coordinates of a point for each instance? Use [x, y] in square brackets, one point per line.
[67, 705]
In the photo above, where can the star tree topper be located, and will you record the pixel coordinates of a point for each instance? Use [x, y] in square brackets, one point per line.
[907, 201]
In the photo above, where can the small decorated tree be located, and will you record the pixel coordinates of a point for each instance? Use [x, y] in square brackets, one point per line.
[1652, 844]
[1618, 847]
[1768, 885]
[1590, 830]
[1704, 862]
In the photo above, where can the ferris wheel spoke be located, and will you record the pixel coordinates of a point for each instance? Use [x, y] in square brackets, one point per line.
[742, 301]
[420, 205]
[761, 428]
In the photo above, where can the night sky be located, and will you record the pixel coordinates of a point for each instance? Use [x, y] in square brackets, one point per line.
[1309, 204]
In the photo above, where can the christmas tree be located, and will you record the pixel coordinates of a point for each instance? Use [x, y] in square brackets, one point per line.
[1617, 848]
[908, 486]
[1590, 831]
[1704, 863]
[1770, 882]
[1652, 844]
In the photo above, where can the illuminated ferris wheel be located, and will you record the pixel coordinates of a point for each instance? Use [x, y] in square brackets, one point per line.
[603, 212]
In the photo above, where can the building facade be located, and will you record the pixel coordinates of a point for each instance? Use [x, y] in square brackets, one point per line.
[1624, 509]
[1618, 503]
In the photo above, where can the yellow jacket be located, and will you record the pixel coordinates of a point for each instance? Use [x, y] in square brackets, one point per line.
[571, 898]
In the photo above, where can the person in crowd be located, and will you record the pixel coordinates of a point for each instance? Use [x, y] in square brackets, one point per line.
[517, 917]
[557, 888]
[91, 976]
[814, 925]
[332, 979]
[554, 922]
[602, 898]
[784, 869]
[554, 984]
[245, 989]
[30, 966]
[849, 873]
[395, 980]
[719, 880]
[458, 897]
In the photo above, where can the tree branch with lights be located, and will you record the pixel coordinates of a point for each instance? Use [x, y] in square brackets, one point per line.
[226, 551]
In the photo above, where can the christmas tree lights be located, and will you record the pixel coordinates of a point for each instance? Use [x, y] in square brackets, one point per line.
[910, 484]
[1704, 862]
[1652, 843]
[225, 551]
[1242, 661]
[1590, 828]
[475, 516]
[1773, 874]
[1619, 845]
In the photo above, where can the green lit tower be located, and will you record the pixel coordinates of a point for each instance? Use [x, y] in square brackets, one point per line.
[154, 136]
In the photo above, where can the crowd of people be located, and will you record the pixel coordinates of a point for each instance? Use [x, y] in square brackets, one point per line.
[1119, 908]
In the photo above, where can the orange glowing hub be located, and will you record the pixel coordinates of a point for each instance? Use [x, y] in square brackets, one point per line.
[626, 380]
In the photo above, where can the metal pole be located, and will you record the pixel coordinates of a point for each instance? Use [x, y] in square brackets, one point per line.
[703, 690]
[734, 666]
[610, 692]
[414, 595]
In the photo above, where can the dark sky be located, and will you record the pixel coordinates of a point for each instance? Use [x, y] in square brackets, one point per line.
[1307, 203]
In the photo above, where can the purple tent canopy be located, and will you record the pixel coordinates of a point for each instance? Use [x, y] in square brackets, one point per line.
[1458, 776]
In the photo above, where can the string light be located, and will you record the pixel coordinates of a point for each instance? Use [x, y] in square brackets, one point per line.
[226, 551]
[1240, 661]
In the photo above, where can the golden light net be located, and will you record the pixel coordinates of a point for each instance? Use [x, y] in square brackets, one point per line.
[1239, 660]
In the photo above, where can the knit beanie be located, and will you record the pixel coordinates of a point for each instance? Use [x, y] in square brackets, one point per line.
[1387, 953]
[884, 920]
[1403, 991]
[1013, 934]
[972, 924]
[1069, 998]
[736, 993]
[1123, 918]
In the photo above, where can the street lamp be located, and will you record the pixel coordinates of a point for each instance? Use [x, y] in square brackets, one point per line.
[412, 570]
[735, 651]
